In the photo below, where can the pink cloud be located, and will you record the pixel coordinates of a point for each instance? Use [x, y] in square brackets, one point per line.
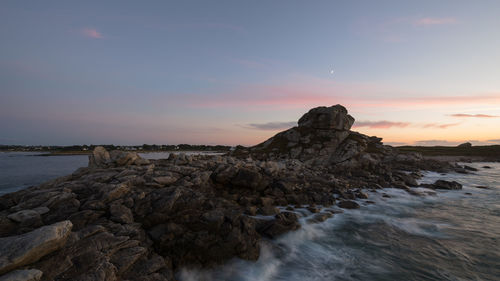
[381, 124]
[91, 33]
[474, 115]
[390, 124]
[440, 126]
[435, 21]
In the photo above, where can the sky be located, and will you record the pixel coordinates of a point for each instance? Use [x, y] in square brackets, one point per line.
[237, 72]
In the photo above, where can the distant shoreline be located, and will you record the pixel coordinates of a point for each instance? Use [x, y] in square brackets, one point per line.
[486, 153]
[76, 152]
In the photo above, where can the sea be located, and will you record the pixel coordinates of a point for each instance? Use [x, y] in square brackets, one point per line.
[444, 235]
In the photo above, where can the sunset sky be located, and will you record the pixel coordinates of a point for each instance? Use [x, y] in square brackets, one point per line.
[237, 72]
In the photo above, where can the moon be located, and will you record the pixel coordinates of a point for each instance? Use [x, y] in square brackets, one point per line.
[331, 71]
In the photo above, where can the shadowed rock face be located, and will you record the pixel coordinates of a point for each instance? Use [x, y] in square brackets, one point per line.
[327, 118]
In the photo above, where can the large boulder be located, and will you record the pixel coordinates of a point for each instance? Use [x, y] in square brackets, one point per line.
[22, 275]
[99, 157]
[333, 117]
[16, 251]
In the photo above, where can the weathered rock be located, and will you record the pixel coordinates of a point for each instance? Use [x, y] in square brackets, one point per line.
[249, 178]
[16, 251]
[99, 157]
[22, 275]
[166, 180]
[333, 117]
[24, 215]
[121, 214]
[282, 223]
[125, 258]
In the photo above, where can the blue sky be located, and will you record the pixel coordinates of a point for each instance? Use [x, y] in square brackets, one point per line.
[129, 72]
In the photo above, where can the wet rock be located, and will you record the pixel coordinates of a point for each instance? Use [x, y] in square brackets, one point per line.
[348, 204]
[22, 275]
[469, 168]
[361, 195]
[16, 251]
[442, 184]
[282, 223]
[269, 210]
[321, 217]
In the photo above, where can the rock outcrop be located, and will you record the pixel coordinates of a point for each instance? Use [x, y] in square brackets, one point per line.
[127, 218]
[323, 139]
[27, 248]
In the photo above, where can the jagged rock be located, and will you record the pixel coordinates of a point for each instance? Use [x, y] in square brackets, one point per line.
[22, 275]
[333, 117]
[282, 223]
[16, 251]
[99, 157]
[122, 158]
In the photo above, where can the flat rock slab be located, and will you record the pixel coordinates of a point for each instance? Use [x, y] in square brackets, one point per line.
[22, 275]
[16, 251]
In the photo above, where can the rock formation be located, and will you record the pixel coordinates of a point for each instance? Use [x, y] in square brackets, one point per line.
[127, 218]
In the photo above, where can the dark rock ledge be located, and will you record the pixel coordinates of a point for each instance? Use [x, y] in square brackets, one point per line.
[127, 218]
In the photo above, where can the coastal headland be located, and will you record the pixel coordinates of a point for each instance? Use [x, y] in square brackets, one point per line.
[128, 218]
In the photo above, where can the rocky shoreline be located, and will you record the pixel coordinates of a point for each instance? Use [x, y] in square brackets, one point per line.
[127, 218]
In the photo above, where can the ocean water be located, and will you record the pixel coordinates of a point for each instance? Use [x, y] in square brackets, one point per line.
[20, 170]
[452, 235]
